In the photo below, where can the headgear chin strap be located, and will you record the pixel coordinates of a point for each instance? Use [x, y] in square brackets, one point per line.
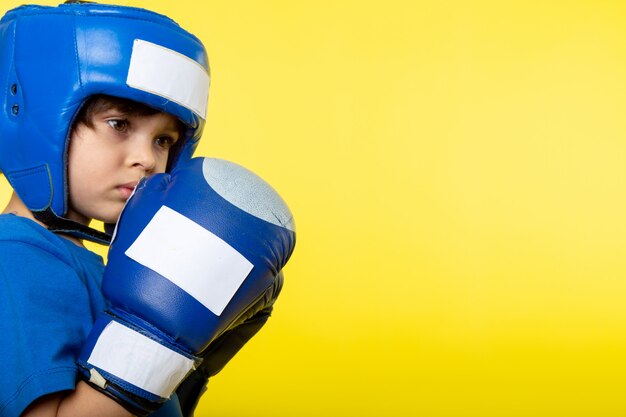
[52, 59]
[58, 224]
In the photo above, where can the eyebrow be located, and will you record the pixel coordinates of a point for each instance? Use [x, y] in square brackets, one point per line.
[174, 126]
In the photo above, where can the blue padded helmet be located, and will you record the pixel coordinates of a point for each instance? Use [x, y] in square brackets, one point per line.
[52, 59]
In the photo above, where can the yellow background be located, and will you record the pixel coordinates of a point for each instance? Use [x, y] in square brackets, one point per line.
[457, 170]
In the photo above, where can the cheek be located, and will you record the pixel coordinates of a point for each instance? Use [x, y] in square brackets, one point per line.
[86, 167]
[161, 162]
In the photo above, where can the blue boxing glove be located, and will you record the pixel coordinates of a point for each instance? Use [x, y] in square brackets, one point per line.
[193, 254]
[225, 347]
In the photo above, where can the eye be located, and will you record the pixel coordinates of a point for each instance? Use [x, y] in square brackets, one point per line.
[119, 125]
[165, 141]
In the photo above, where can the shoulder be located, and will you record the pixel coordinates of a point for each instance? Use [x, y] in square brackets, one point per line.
[24, 235]
[14, 227]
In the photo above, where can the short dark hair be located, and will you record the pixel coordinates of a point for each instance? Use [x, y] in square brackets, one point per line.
[100, 103]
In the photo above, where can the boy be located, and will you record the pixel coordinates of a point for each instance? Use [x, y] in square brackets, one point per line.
[96, 98]
[109, 152]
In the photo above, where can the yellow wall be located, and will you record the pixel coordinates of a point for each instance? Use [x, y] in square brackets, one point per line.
[457, 170]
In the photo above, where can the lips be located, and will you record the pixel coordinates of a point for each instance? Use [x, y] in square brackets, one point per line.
[126, 190]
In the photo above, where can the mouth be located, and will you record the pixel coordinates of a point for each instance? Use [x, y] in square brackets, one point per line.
[126, 190]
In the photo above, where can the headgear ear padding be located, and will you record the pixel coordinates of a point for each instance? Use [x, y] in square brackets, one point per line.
[53, 58]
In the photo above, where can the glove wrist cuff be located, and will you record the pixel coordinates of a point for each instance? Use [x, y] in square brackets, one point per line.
[124, 361]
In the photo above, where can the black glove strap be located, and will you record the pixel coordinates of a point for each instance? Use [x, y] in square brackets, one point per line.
[138, 407]
[190, 391]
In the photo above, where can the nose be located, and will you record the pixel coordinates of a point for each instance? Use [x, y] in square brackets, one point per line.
[141, 154]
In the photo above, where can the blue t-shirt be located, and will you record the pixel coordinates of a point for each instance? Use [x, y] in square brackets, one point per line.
[49, 297]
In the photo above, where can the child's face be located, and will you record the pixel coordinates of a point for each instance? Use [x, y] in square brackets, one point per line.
[106, 162]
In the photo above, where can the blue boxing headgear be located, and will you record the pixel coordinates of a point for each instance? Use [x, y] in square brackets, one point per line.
[52, 59]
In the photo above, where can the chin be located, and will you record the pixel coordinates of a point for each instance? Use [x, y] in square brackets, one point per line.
[111, 214]
[111, 219]
[107, 217]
